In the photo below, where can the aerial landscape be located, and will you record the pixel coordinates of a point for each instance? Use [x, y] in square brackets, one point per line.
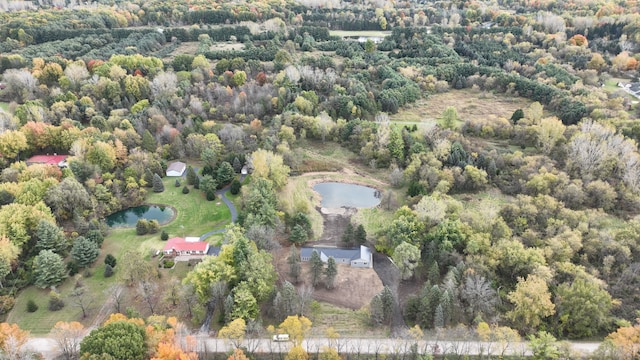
[305, 179]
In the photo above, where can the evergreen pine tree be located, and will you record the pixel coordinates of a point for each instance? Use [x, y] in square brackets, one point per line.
[191, 176]
[298, 235]
[148, 177]
[360, 235]
[294, 264]
[158, 186]
[110, 260]
[347, 237]
[330, 273]
[48, 269]
[316, 268]
[84, 251]
[148, 141]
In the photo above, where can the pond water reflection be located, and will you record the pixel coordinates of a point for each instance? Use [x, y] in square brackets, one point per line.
[129, 217]
[336, 195]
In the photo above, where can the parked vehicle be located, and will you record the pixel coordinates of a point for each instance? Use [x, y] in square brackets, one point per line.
[281, 337]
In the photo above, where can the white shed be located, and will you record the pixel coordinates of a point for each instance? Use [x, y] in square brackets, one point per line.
[176, 169]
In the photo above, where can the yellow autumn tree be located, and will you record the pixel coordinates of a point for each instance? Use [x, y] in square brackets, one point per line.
[234, 332]
[297, 327]
[297, 353]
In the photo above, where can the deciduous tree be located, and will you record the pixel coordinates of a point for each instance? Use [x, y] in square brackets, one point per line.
[68, 336]
[406, 257]
[297, 327]
[532, 302]
[234, 332]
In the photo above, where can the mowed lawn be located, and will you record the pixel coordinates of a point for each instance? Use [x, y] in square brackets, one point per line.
[195, 216]
[4, 106]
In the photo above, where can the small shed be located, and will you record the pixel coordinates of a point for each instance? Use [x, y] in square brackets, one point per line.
[176, 169]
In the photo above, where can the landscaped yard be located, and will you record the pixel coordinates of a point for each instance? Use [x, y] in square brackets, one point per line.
[195, 216]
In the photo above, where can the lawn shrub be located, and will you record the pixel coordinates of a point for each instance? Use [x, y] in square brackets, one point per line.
[108, 271]
[55, 301]
[32, 306]
[142, 227]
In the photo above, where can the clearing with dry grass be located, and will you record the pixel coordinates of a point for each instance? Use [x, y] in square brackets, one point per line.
[470, 104]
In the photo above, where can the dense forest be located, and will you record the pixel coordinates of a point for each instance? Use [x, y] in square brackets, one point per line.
[125, 88]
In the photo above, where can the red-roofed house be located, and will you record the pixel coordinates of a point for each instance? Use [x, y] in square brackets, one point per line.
[190, 246]
[59, 160]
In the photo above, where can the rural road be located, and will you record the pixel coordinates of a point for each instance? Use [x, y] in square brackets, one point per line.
[49, 349]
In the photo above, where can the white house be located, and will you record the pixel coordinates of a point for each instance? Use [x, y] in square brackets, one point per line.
[176, 169]
[358, 257]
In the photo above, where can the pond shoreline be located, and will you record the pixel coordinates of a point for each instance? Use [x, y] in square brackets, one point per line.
[173, 216]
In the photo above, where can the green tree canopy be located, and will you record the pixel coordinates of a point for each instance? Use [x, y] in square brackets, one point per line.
[121, 339]
[48, 269]
[84, 251]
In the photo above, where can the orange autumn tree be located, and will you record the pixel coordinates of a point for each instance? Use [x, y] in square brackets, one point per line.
[238, 354]
[12, 338]
[164, 340]
[626, 341]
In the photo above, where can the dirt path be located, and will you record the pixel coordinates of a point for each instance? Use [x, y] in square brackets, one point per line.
[105, 310]
[390, 276]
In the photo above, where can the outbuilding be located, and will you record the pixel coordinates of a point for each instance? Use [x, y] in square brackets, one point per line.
[176, 169]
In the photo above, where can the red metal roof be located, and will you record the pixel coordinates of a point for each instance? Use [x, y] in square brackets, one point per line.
[47, 159]
[179, 244]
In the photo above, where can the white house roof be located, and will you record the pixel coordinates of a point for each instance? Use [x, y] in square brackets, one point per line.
[178, 167]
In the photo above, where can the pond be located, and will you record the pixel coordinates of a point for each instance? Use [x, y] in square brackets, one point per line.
[336, 195]
[129, 217]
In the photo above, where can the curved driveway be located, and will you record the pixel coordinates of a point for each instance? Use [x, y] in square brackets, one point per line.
[232, 208]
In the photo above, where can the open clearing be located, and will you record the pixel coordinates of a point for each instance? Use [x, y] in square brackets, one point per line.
[470, 104]
[366, 33]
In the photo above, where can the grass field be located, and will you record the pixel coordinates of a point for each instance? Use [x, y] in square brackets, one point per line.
[470, 105]
[346, 322]
[4, 106]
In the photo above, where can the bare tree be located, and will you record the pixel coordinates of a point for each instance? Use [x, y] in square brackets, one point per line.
[253, 335]
[149, 291]
[68, 337]
[116, 295]
[188, 297]
[173, 292]
[82, 299]
[305, 294]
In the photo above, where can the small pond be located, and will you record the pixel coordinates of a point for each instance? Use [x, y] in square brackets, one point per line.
[336, 195]
[129, 217]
